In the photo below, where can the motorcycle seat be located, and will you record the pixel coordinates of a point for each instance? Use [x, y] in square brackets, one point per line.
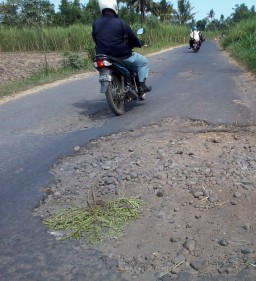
[117, 60]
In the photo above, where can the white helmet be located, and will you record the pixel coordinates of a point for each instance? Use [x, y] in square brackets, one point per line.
[108, 4]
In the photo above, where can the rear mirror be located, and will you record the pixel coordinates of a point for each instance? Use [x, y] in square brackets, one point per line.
[140, 31]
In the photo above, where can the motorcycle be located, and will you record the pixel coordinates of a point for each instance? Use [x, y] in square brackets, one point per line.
[117, 81]
[196, 46]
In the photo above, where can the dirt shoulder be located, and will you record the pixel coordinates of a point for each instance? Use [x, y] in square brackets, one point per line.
[18, 65]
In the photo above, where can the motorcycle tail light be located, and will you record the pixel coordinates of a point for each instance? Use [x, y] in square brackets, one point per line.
[102, 63]
[107, 63]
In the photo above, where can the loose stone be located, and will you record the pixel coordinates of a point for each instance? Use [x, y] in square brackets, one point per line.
[197, 264]
[213, 198]
[223, 242]
[179, 259]
[237, 194]
[190, 245]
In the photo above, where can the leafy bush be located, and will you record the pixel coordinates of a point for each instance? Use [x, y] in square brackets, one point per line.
[152, 22]
[73, 60]
[239, 31]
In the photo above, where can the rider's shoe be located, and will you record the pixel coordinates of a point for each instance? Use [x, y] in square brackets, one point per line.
[142, 96]
[143, 88]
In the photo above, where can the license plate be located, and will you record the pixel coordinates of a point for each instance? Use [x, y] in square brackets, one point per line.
[105, 78]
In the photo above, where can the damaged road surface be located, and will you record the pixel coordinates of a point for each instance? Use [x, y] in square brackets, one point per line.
[200, 194]
[188, 151]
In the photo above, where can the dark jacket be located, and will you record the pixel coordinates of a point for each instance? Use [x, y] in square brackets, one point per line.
[109, 32]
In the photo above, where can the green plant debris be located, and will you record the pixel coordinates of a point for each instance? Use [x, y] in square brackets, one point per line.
[100, 220]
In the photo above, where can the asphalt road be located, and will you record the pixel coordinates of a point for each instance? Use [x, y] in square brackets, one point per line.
[38, 129]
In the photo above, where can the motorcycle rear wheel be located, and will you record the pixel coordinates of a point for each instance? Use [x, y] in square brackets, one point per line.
[196, 48]
[115, 97]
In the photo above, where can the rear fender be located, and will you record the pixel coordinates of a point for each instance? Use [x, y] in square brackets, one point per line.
[105, 76]
[104, 86]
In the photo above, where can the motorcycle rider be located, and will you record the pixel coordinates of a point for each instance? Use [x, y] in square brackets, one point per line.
[194, 36]
[113, 37]
[202, 39]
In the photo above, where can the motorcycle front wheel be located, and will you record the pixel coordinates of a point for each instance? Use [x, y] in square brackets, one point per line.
[115, 97]
[196, 48]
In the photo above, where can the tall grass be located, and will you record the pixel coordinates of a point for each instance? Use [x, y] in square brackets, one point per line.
[77, 38]
[167, 35]
[240, 41]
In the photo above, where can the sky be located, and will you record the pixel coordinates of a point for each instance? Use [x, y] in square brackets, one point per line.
[220, 7]
[201, 7]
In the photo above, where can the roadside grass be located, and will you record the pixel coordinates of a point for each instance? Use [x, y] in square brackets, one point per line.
[245, 51]
[78, 38]
[42, 77]
[59, 39]
[240, 42]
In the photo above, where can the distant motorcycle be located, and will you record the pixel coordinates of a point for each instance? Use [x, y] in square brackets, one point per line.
[196, 46]
[118, 82]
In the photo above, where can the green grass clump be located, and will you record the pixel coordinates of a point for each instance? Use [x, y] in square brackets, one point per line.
[245, 51]
[240, 41]
[98, 221]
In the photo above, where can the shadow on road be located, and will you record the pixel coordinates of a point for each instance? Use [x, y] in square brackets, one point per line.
[99, 109]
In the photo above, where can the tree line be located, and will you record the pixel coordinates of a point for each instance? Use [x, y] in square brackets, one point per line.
[41, 13]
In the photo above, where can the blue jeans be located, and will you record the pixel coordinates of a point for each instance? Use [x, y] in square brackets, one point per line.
[138, 63]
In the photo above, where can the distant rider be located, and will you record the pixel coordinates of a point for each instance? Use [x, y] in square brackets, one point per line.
[202, 39]
[113, 37]
[194, 36]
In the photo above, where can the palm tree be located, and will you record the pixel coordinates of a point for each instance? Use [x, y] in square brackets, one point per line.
[211, 15]
[162, 9]
[141, 6]
[184, 11]
[222, 18]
